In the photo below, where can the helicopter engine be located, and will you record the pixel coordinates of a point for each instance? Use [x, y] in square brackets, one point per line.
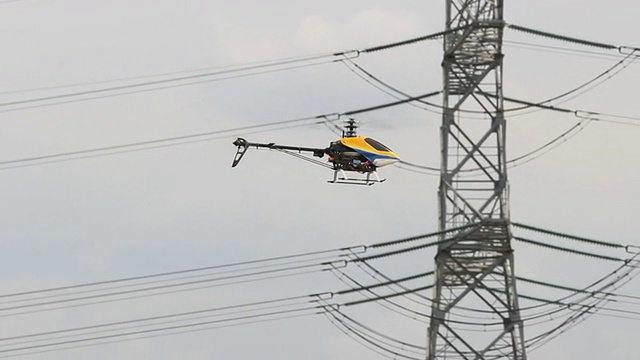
[345, 158]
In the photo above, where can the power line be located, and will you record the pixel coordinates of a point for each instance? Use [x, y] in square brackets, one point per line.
[524, 158]
[570, 39]
[280, 308]
[170, 273]
[317, 267]
[179, 140]
[571, 237]
[568, 250]
[597, 80]
[302, 309]
[408, 99]
[159, 140]
[321, 259]
[141, 88]
[254, 69]
[563, 50]
[235, 67]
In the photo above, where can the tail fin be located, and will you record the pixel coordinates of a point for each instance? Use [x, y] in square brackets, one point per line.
[242, 148]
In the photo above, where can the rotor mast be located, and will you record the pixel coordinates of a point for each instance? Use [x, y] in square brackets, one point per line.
[474, 268]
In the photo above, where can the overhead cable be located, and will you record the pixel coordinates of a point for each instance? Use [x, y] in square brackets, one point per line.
[371, 345]
[409, 41]
[562, 37]
[172, 140]
[154, 85]
[573, 289]
[209, 69]
[178, 272]
[247, 70]
[421, 237]
[568, 250]
[567, 236]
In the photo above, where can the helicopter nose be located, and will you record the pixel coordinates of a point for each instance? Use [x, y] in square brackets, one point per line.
[380, 162]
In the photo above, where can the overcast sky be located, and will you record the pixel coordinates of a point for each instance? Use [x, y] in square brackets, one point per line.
[184, 207]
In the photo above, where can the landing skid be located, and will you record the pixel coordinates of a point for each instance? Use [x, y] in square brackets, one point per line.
[339, 177]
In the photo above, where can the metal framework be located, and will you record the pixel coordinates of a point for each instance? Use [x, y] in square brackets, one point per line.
[475, 313]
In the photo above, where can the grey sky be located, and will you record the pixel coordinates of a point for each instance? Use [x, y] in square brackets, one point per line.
[184, 207]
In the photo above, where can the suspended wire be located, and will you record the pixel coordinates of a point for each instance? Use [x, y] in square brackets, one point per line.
[527, 318]
[321, 267]
[580, 315]
[421, 299]
[326, 116]
[430, 168]
[126, 150]
[568, 250]
[235, 67]
[583, 306]
[272, 304]
[345, 54]
[443, 241]
[157, 329]
[400, 345]
[581, 291]
[579, 90]
[568, 236]
[408, 293]
[593, 115]
[569, 38]
[548, 146]
[142, 290]
[180, 140]
[387, 304]
[106, 96]
[599, 79]
[395, 103]
[388, 281]
[251, 69]
[416, 169]
[256, 271]
[381, 85]
[418, 39]
[141, 88]
[623, 275]
[282, 308]
[425, 236]
[375, 338]
[563, 50]
[303, 309]
[374, 347]
[232, 274]
[333, 127]
[167, 333]
[179, 272]
[158, 141]
[585, 120]
[529, 156]
[575, 307]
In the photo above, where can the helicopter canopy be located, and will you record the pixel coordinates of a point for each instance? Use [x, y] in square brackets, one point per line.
[371, 149]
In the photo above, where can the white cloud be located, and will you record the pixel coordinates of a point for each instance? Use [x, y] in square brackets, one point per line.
[373, 26]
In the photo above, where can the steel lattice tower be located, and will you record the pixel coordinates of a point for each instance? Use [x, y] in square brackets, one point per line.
[475, 313]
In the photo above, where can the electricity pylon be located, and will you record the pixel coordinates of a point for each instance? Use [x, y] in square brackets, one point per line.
[475, 312]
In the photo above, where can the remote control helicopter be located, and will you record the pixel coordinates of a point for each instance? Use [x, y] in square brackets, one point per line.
[361, 155]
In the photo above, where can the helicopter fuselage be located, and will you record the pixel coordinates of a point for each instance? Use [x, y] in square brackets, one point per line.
[360, 153]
